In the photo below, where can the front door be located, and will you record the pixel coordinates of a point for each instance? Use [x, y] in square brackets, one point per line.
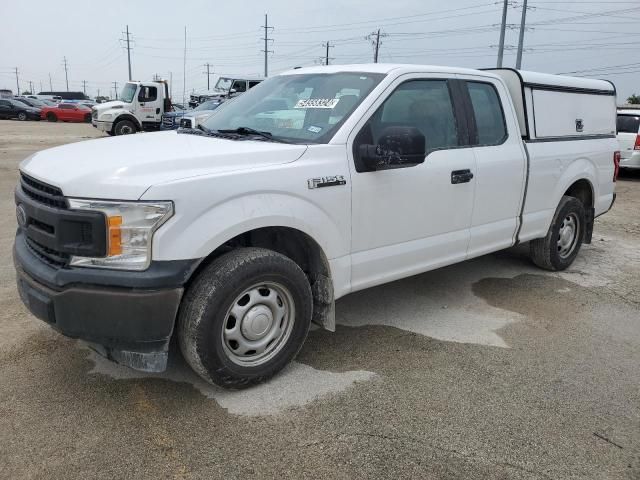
[410, 219]
[150, 104]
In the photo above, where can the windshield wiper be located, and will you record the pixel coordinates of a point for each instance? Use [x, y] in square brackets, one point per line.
[252, 131]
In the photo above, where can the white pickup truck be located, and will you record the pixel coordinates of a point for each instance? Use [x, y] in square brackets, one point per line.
[316, 183]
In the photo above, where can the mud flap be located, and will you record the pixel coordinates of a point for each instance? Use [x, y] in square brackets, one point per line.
[324, 313]
[588, 228]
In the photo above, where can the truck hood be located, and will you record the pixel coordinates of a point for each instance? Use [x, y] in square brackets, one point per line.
[123, 168]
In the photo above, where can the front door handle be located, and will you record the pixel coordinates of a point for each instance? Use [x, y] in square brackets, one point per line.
[461, 176]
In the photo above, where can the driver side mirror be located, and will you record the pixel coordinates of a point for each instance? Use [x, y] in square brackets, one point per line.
[233, 90]
[396, 147]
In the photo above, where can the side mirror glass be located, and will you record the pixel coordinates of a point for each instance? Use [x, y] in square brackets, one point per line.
[396, 147]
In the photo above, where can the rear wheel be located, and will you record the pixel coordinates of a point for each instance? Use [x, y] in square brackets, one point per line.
[124, 127]
[52, 117]
[87, 118]
[22, 116]
[245, 317]
[559, 248]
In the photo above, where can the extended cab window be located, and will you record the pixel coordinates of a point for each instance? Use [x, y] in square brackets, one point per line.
[628, 124]
[239, 86]
[487, 110]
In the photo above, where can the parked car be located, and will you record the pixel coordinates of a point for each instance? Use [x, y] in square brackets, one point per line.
[234, 238]
[65, 95]
[225, 87]
[629, 137]
[12, 108]
[67, 112]
[173, 120]
[32, 102]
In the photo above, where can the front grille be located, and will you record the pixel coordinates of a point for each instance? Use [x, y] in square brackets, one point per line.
[42, 192]
[185, 123]
[167, 121]
[48, 255]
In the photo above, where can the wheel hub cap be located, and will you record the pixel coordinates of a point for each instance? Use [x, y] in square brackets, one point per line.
[568, 235]
[257, 322]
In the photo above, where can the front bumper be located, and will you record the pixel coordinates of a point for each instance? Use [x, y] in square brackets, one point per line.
[129, 315]
[102, 125]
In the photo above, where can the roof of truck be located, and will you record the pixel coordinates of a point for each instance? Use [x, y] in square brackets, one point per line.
[384, 68]
[526, 76]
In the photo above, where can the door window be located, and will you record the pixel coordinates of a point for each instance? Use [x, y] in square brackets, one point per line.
[487, 111]
[239, 86]
[147, 94]
[628, 124]
[424, 105]
[66, 106]
[253, 84]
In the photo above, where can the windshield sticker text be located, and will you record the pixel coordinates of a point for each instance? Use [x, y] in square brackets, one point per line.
[317, 103]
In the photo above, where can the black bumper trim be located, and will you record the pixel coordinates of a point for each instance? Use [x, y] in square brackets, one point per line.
[127, 319]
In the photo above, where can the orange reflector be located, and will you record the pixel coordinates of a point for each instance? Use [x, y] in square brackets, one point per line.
[115, 235]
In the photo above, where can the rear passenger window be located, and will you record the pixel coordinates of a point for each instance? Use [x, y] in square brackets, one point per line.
[487, 110]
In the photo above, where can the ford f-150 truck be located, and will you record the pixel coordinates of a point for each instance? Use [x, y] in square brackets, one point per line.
[318, 182]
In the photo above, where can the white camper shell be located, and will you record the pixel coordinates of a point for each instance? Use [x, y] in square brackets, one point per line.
[553, 107]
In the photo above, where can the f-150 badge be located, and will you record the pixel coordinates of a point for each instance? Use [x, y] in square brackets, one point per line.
[329, 181]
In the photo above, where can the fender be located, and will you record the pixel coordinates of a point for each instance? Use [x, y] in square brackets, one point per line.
[128, 116]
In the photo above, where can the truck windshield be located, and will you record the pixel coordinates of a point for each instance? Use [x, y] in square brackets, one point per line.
[223, 84]
[128, 92]
[303, 108]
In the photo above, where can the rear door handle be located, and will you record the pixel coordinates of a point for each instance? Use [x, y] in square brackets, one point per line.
[461, 176]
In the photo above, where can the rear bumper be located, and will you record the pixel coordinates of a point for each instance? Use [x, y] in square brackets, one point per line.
[131, 325]
[632, 161]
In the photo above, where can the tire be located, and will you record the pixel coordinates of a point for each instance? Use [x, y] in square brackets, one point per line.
[22, 116]
[110, 133]
[260, 285]
[559, 248]
[87, 118]
[52, 117]
[124, 127]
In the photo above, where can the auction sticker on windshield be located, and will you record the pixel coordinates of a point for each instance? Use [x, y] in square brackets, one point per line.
[317, 103]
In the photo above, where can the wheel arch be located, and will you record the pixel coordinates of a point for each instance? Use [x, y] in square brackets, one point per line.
[127, 116]
[299, 247]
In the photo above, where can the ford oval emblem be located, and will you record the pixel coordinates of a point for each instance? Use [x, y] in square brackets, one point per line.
[21, 215]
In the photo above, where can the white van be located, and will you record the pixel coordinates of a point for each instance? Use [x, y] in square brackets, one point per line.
[629, 137]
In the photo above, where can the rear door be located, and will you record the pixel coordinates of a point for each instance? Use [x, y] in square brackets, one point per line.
[500, 164]
[628, 126]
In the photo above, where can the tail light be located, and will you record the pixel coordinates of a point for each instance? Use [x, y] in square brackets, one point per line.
[637, 145]
[616, 164]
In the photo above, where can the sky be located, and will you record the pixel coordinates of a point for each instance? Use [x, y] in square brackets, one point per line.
[598, 39]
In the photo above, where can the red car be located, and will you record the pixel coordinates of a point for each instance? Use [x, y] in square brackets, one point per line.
[66, 112]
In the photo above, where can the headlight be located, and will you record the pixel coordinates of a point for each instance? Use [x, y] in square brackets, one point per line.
[130, 227]
[107, 116]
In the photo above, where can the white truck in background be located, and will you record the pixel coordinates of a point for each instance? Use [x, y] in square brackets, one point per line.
[314, 184]
[139, 108]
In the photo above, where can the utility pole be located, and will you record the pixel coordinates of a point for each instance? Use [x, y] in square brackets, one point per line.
[17, 82]
[208, 65]
[521, 39]
[84, 86]
[184, 68]
[171, 84]
[50, 84]
[31, 87]
[41, 89]
[128, 52]
[326, 57]
[115, 88]
[66, 73]
[266, 45]
[503, 27]
[375, 56]
[374, 38]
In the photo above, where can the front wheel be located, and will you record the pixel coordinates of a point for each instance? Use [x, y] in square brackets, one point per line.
[124, 127]
[559, 248]
[22, 116]
[52, 117]
[245, 317]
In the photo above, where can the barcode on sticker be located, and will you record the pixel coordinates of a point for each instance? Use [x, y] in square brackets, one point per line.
[317, 103]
